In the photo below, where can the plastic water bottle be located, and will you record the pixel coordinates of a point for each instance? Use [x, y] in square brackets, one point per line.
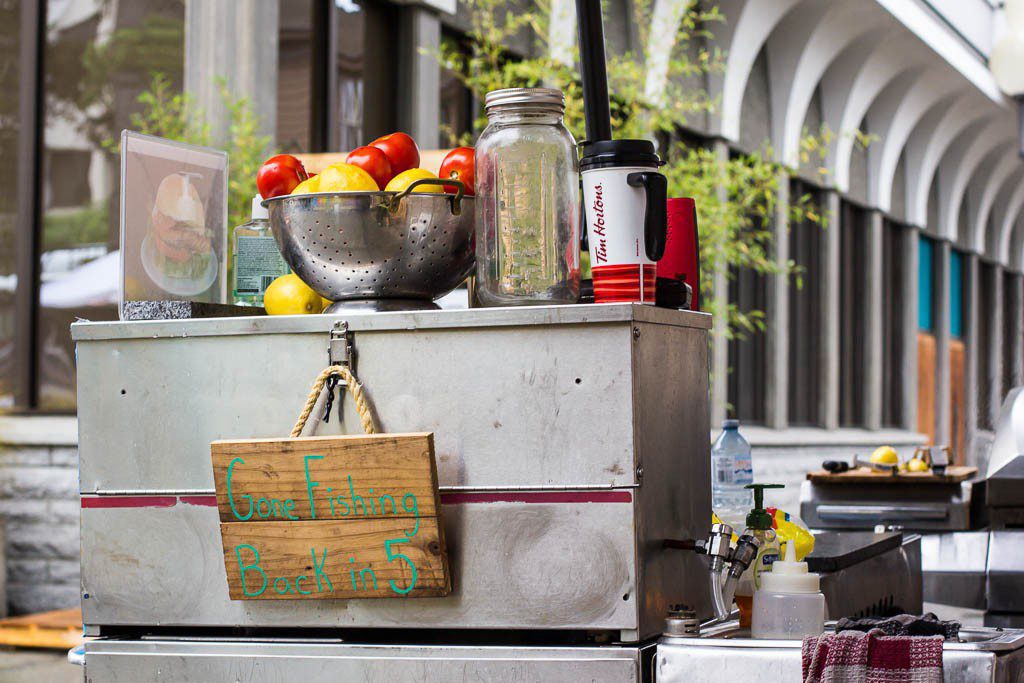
[731, 470]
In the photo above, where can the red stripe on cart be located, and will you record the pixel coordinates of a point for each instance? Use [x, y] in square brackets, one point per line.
[537, 497]
[129, 501]
[548, 497]
[204, 501]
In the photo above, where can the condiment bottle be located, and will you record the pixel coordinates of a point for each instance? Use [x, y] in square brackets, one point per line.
[789, 603]
[257, 260]
[759, 525]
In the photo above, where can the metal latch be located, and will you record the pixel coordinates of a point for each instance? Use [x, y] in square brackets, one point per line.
[339, 349]
[339, 352]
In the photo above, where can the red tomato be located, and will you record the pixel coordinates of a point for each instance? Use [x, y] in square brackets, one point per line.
[374, 161]
[279, 175]
[459, 164]
[401, 150]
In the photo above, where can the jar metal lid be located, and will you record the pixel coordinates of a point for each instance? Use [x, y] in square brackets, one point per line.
[548, 98]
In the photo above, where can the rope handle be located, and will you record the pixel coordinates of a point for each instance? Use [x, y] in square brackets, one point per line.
[354, 388]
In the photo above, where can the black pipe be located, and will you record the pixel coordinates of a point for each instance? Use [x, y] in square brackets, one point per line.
[593, 70]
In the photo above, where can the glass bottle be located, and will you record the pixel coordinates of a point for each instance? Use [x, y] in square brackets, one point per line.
[528, 201]
[257, 260]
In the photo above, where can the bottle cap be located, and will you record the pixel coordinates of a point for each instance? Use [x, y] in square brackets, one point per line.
[759, 518]
[259, 212]
[790, 576]
[730, 424]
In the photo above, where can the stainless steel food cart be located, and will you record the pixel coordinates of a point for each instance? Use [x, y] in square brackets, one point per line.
[571, 442]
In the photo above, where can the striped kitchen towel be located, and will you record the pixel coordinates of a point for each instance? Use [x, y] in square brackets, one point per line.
[856, 657]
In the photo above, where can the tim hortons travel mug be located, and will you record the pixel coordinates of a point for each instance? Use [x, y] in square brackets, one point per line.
[624, 200]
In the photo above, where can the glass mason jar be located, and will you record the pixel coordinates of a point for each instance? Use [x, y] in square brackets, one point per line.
[527, 201]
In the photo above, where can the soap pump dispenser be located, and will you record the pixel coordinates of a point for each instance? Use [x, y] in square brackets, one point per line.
[759, 525]
[789, 603]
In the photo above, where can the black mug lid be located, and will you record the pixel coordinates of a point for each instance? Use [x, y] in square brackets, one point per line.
[605, 153]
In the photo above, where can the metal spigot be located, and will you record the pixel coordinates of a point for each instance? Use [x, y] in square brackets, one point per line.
[743, 554]
[716, 547]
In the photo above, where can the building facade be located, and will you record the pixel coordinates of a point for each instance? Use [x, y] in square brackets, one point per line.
[908, 328]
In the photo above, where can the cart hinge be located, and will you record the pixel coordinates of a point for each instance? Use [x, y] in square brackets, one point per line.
[339, 349]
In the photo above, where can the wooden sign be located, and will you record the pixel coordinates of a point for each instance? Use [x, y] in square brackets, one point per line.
[331, 517]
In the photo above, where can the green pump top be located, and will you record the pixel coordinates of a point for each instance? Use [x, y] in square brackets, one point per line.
[759, 518]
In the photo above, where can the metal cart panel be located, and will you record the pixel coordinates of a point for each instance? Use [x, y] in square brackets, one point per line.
[533, 565]
[152, 407]
[311, 662]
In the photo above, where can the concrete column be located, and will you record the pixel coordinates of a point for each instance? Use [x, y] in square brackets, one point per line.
[234, 44]
[777, 317]
[994, 320]
[419, 76]
[909, 303]
[943, 376]
[972, 318]
[719, 340]
[873, 330]
[1016, 340]
[828, 332]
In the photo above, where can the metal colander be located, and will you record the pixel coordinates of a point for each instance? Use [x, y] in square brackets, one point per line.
[397, 249]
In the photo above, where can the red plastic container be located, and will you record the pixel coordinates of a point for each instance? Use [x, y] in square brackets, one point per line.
[682, 249]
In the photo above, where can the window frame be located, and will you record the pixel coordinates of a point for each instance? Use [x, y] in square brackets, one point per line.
[468, 103]
[853, 311]
[1010, 319]
[894, 345]
[806, 239]
[957, 289]
[325, 105]
[983, 341]
[28, 223]
[926, 283]
[747, 364]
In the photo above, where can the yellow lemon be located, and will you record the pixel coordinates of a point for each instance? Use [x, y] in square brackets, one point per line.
[885, 455]
[289, 295]
[308, 186]
[346, 178]
[917, 465]
[326, 303]
[406, 178]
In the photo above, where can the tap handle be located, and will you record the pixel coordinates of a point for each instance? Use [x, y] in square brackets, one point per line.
[743, 554]
[719, 541]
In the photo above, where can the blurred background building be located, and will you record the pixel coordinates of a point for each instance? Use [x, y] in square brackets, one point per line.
[909, 326]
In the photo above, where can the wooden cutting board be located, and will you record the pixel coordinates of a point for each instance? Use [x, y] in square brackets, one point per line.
[954, 475]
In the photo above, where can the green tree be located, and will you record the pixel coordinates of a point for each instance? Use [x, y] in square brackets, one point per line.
[736, 197]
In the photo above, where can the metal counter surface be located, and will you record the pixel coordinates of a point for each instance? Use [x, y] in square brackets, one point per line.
[727, 653]
[359, 321]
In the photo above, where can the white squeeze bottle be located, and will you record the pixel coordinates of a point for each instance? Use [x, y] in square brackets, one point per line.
[731, 471]
[789, 603]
